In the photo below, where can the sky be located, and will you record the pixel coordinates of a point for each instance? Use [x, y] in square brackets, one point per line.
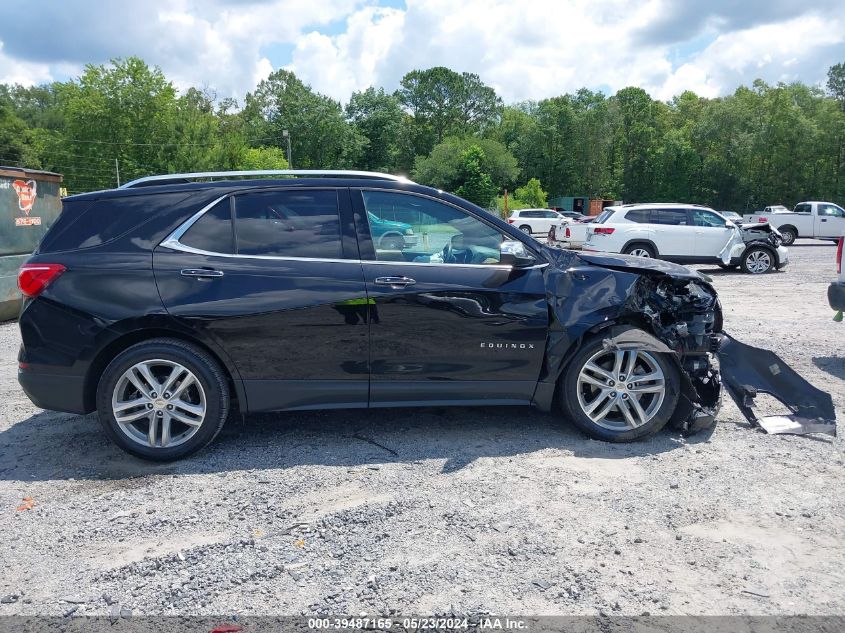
[529, 49]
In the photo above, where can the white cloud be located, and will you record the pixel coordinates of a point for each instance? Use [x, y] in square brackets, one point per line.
[526, 50]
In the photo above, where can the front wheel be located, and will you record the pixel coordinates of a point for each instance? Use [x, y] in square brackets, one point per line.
[162, 399]
[525, 229]
[757, 261]
[392, 243]
[619, 395]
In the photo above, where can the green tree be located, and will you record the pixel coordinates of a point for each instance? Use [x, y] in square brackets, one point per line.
[445, 103]
[532, 194]
[476, 185]
[14, 138]
[319, 133]
[262, 158]
[836, 83]
[378, 117]
[441, 168]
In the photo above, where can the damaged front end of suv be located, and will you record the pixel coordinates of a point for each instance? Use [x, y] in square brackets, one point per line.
[631, 303]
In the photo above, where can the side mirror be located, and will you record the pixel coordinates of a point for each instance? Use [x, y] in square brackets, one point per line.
[730, 224]
[513, 253]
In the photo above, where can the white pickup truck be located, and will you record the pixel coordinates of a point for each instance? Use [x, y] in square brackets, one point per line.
[823, 220]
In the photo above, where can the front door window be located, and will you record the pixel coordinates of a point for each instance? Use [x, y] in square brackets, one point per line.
[416, 229]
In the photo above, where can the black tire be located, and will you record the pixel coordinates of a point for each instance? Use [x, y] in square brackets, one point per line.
[392, 243]
[789, 235]
[206, 370]
[568, 396]
[753, 259]
[525, 229]
[639, 246]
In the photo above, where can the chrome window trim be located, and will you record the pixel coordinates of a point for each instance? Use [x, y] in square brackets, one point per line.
[173, 238]
[172, 242]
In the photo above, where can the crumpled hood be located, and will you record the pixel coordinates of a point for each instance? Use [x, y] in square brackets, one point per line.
[641, 264]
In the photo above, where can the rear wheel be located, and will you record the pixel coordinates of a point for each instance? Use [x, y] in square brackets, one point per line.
[789, 235]
[162, 399]
[525, 229]
[640, 250]
[619, 395]
[757, 261]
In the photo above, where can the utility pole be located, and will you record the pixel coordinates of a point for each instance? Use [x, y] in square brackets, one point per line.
[117, 171]
[286, 136]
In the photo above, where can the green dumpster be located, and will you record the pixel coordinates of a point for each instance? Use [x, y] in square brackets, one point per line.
[30, 201]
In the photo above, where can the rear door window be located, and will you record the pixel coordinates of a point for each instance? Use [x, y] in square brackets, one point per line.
[213, 231]
[802, 208]
[673, 217]
[292, 223]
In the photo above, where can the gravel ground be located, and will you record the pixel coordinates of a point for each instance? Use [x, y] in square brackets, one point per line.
[504, 510]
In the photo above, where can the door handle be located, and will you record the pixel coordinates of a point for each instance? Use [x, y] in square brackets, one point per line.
[201, 273]
[824, 220]
[395, 282]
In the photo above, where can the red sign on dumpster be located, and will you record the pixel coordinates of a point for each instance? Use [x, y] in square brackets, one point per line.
[26, 194]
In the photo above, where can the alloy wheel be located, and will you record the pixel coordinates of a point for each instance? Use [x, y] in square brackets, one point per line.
[640, 252]
[758, 262]
[621, 389]
[159, 403]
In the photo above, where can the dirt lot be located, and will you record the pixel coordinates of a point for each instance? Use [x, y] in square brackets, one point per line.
[504, 510]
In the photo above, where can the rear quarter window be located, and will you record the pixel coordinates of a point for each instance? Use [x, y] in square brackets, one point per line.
[87, 223]
[641, 216]
[604, 215]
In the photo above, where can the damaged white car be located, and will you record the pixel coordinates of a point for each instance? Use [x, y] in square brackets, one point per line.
[687, 234]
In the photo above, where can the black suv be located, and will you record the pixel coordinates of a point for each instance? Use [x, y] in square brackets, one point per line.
[171, 302]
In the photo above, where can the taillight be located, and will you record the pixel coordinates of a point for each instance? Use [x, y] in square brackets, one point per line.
[33, 278]
[510, 221]
[839, 256]
[761, 220]
[603, 230]
[568, 232]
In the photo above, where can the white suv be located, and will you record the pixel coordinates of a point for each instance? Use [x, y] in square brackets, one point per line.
[534, 221]
[687, 234]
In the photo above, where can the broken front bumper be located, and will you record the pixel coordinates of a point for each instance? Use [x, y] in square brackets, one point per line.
[748, 371]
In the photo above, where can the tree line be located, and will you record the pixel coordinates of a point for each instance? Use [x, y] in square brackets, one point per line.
[763, 144]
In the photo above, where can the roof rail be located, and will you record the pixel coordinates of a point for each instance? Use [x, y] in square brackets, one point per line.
[167, 178]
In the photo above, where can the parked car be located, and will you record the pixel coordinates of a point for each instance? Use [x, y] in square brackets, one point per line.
[836, 290]
[573, 215]
[733, 216]
[534, 221]
[166, 304]
[686, 233]
[823, 220]
[570, 234]
[391, 235]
